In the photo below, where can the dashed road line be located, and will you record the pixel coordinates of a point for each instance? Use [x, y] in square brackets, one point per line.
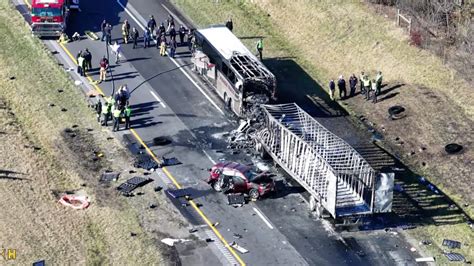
[158, 99]
[260, 214]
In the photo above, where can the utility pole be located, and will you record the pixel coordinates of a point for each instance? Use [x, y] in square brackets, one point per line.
[110, 70]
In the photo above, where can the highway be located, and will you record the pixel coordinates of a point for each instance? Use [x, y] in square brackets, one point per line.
[169, 100]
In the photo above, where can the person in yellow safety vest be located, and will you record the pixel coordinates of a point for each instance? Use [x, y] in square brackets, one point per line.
[116, 113]
[374, 89]
[105, 111]
[260, 48]
[127, 114]
[125, 31]
[367, 87]
[163, 48]
[361, 80]
[378, 81]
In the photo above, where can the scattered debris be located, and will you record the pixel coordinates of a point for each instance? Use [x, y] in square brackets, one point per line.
[171, 241]
[158, 189]
[39, 263]
[396, 112]
[425, 259]
[109, 176]
[453, 148]
[238, 236]
[215, 224]
[161, 141]
[133, 183]
[407, 226]
[77, 82]
[63, 110]
[412, 249]
[239, 248]
[208, 240]
[178, 193]
[236, 200]
[152, 206]
[193, 230]
[426, 242]
[451, 243]
[60, 90]
[145, 161]
[77, 202]
[52, 105]
[169, 161]
[132, 234]
[454, 256]
[12, 77]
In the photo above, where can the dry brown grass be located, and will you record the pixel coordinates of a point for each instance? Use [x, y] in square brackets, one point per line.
[33, 222]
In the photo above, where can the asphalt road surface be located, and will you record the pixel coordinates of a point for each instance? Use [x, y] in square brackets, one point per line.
[169, 100]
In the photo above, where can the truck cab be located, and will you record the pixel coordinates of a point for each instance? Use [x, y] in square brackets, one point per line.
[49, 17]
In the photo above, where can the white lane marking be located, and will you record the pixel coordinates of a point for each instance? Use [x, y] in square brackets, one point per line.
[172, 60]
[158, 99]
[173, 14]
[260, 214]
[209, 157]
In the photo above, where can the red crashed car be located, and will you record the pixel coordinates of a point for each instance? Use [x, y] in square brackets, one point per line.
[236, 177]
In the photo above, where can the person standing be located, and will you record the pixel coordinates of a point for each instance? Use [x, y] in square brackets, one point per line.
[341, 85]
[352, 85]
[332, 89]
[135, 37]
[182, 33]
[378, 81]
[170, 22]
[88, 60]
[163, 46]
[125, 31]
[127, 114]
[116, 114]
[229, 24]
[151, 25]
[146, 38]
[375, 90]
[117, 50]
[98, 109]
[172, 47]
[108, 34]
[260, 48]
[367, 87]
[104, 66]
[172, 32]
[107, 110]
[81, 65]
[362, 78]
[102, 28]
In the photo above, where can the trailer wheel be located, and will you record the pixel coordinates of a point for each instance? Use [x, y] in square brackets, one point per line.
[253, 194]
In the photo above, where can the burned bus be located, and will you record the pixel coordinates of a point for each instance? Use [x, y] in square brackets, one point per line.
[239, 78]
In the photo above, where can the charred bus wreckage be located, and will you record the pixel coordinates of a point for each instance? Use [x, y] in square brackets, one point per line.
[239, 78]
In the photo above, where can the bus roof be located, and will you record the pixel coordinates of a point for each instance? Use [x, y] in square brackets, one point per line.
[52, 3]
[225, 41]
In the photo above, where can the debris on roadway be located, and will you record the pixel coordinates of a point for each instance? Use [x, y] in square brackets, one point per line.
[239, 248]
[133, 183]
[171, 241]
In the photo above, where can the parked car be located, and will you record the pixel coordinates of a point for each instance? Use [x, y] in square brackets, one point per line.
[240, 178]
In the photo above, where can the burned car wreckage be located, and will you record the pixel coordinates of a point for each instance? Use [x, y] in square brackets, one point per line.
[238, 77]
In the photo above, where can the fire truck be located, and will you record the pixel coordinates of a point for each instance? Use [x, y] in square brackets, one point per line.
[49, 17]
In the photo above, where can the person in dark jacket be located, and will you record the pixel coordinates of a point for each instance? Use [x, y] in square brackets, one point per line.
[88, 59]
[332, 89]
[146, 38]
[135, 36]
[151, 25]
[182, 33]
[229, 24]
[341, 85]
[172, 32]
[102, 28]
[352, 84]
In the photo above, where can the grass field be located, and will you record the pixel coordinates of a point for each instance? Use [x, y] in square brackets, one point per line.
[46, 162]
[322, 40]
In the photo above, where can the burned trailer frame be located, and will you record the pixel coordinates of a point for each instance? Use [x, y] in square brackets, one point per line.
[239, 78]
[333, 172]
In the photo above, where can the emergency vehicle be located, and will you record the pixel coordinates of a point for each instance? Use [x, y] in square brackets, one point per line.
[49, 17]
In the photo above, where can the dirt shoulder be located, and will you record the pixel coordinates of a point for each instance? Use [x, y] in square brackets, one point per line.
[50, 140]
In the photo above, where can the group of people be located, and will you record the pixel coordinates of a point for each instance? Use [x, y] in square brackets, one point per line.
[153, 31]
[84, 62]
[369, 88]
[116, 107]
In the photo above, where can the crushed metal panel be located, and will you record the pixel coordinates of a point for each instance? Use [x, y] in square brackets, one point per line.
[384, 192]
[451, 243]
[454, 256]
